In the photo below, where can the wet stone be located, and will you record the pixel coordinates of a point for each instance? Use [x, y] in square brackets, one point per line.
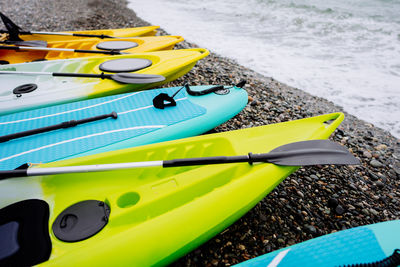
[311, 229]
[373, 176]
[374, 212]
[367, 154]
[281, 241]
[333, 202]
[381, 147]
[375, 163]
[339, 210]
[254, 103]
[352, 186]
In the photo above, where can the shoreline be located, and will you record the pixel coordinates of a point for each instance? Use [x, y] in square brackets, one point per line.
[297, 209]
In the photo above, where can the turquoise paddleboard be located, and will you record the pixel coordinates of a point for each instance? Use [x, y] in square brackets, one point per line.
[138, 122]
[375, 243]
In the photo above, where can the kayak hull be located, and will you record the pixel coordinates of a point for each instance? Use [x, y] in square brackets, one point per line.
[56, 90]
[159, 214]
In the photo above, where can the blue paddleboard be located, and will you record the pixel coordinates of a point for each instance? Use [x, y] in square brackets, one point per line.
[138, 123]
[360, 245]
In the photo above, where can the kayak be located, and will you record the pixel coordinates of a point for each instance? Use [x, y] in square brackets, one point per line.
[23, 92]
[358, 246]
[138, 122]
[132, 45]
[147, 216]
[119, 33]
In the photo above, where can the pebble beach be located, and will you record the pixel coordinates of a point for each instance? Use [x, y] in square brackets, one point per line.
[313, 201]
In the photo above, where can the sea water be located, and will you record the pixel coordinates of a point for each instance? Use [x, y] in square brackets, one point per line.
[345, 51]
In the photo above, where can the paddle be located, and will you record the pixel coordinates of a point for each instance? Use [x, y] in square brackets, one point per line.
[313, 152]
[35, 48]
[14, 31]
[101, 36]
[26, 43]
[62, 125]
[122, 77]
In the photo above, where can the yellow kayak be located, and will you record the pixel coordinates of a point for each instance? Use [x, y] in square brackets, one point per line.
[149, 216]
[32, 85]
[125, 45]
[119, 33]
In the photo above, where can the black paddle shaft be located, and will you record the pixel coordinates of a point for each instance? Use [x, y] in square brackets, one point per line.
[101, 36]
[20, 32]
[279, 158]
[66, 124]
[111, 52]
[83, 75]
[250, 158]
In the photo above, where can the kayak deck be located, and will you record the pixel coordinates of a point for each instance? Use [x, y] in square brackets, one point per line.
[123, 32]
[158, 215]
[144, 44]
[138, 123]
[56, 90]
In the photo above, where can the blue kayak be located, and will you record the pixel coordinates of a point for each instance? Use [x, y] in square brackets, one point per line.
[361, 245]
[136, 122]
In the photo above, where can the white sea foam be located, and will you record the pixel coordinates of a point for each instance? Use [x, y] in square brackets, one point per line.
[345, 51]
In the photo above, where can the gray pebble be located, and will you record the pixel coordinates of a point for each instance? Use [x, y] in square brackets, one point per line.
[365, 211]
[375, 163]
[367, 154]
[311, 229]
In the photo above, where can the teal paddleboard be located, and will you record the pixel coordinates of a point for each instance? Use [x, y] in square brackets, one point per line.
[375, 243]
[138, 122]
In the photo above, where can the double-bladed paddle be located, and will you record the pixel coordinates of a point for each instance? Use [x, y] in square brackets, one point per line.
[14, 31]
[62, 125]
[122, 77]
[36, 43]
[101, 36]
[304, 153]
[39, 48]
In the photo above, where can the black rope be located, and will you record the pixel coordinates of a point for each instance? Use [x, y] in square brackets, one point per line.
[212, 89]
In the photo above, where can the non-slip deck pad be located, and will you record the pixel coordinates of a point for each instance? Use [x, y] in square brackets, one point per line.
[358, 245]
[136, 116]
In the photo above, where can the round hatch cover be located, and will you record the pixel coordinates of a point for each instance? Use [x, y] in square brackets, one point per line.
[81, 220]
[125, 64]
[116, 45]
[24, 89]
